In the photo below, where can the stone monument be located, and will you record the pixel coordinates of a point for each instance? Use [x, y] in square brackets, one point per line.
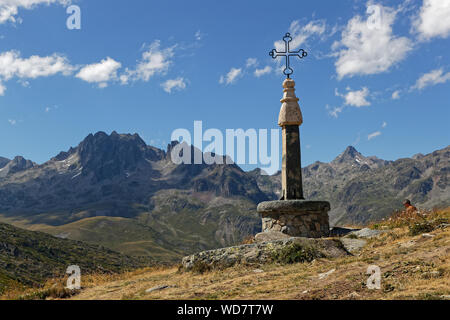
[292, 215]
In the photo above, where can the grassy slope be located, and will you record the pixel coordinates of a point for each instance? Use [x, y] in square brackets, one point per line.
[413, 267]
[29, 258]
[180, 223]
[120, 234]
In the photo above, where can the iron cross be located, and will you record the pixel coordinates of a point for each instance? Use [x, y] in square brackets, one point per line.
[288, 54]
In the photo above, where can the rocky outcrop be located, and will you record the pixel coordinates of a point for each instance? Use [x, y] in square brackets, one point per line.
[277, 247]
[281, 251]
[355, 240]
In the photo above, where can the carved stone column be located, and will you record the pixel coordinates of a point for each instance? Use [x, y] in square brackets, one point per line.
[290, 119]
[293, 215]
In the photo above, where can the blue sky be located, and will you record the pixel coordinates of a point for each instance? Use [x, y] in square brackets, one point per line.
[377, 75]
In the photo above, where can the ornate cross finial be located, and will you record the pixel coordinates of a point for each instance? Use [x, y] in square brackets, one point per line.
[288, 53]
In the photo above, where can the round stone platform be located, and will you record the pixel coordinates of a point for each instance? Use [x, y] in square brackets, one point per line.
[296, 218]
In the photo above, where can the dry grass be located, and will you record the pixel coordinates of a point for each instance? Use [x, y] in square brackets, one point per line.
[248, 240]
[413, 267]
[55, 288]
[405, 219]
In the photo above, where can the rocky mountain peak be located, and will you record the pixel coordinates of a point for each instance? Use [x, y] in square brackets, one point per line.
[170, 147]
[3, 162]
[109, 155]
[353, 159]
[351, 151]
[350, 154]
[101, 140]
[16, 165]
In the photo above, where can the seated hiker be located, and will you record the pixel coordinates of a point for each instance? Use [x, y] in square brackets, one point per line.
[409, 207]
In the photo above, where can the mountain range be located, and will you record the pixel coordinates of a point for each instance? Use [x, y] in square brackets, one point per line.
[116, 191]
[364, 189]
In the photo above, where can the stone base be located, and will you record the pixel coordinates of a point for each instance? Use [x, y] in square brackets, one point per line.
[296, 218]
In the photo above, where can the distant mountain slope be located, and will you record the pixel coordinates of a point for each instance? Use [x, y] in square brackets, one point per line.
[29, 257]
[119, 234]
[116, 191]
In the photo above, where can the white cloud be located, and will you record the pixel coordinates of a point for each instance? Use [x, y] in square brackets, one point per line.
[231, 76]
[174, 84]
[373, 135]
[154, 61]
[334, 112]
[366, 48]
[10, 8]
[101, 72]
[433, 20]
[431, 78]
[49, 108]
[300, 34]
[12, 122]
[251, 62]
[12, 65]
[198, 35]
[357, 98]
[263, 71]
[396, 95]
[384, 125]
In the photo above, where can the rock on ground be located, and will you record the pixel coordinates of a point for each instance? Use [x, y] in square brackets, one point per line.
[340, 231]
[270, 236]
[366, 233]
[353, 245]
[158, 288]
[265, 252]
[326, 274]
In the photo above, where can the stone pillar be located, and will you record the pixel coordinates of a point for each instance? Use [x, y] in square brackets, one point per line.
[292, 215]
[290, 119]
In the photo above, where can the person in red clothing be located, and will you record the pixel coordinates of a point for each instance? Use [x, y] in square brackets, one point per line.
[409, 207]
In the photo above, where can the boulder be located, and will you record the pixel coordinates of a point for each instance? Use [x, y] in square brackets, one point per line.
[282, 251]
[340, 231]
[270, 236]
[353, 245]
[366, 233]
